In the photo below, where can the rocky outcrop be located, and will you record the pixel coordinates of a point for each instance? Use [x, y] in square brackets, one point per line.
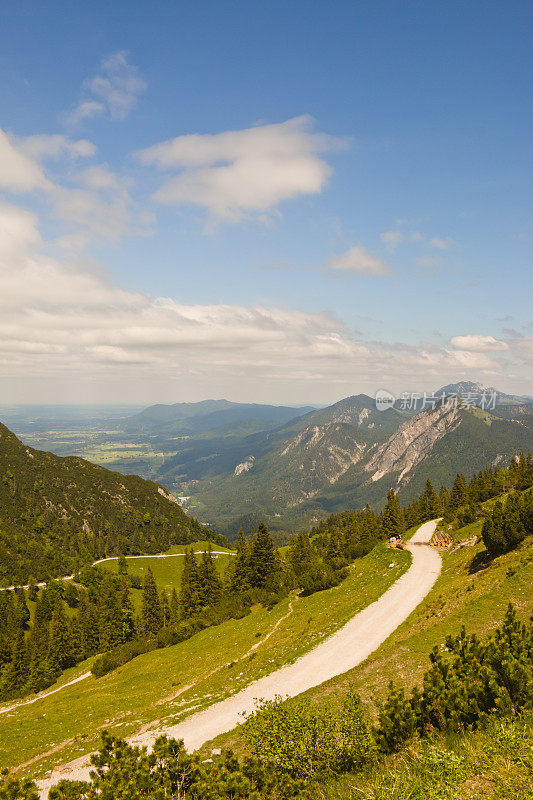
[413, 442]
[245, 466]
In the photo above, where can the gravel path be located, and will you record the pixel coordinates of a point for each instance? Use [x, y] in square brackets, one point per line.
[41, 695]
[342, 651]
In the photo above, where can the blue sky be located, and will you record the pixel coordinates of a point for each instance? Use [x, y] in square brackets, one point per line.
[351, 209]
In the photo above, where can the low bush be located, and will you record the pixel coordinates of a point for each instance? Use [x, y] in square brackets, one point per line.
[465, 684]
[301, 740]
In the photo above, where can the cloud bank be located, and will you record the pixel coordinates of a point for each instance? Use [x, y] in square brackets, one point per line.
[62, 325]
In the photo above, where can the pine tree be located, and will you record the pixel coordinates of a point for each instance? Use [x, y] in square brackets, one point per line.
[127, 614]
[151, 616]
[75, 639]
[165, 608]
[175, 611]
[444, 498]
[392, 517]
[209, 578]
[22, 612]
[110, 614]
[89, 623]
[8, 626]
[301, 554]
[17, 672]
[32, 589]
[459, 492]
[429, 502]
[191, 588]
[334, 549]
[240, 580]
[59, 655]
[262, 558]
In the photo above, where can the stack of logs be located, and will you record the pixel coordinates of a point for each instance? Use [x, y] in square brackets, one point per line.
[441, 539]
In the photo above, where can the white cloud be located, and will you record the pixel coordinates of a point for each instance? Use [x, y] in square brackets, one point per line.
[114, 91]
[392, 239]
[94, 203]
[42, 147]
[239, 173]
[19, 172]
[18, 234]
[86, 109]
[358, 260]
[478, 343]
[441, 244]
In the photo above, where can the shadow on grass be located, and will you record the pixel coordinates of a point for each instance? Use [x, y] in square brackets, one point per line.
[480, 561]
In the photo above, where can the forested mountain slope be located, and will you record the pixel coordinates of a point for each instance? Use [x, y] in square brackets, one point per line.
[57, 513]
[351, 454]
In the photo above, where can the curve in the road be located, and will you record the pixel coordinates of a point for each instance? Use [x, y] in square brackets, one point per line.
[41, 584]
[342, 651]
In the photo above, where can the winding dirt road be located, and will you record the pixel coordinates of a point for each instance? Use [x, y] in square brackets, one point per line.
[342, 651]
[41, 584]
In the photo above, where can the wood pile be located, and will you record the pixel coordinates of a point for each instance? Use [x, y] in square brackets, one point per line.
[441, 539]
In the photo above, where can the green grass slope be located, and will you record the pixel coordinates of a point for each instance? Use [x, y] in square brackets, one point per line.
[167, 568]
[494, 763]
[165, 685]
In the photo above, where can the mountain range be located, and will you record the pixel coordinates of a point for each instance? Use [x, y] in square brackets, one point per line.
[233, 464]
[347, 455]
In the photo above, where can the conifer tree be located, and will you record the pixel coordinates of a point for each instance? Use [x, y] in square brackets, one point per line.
[175, 611]
[75, 639]
[392, 517]
[32, 589]
[89, 623]
[17, 671]
[240, 580]
[151, 616]
[210, 580]
[110, 614]
[22, 612]
[127, 614]
[459, 491]
[191, 589]
[429, 502]
[8, 628]
[444, 498]
[59, 654]
[334, 549]
[165, 609]
[262, 558]
[301, 554]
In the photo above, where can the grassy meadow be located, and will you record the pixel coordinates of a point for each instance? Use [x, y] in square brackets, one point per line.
[165, 685]
[167, 571]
